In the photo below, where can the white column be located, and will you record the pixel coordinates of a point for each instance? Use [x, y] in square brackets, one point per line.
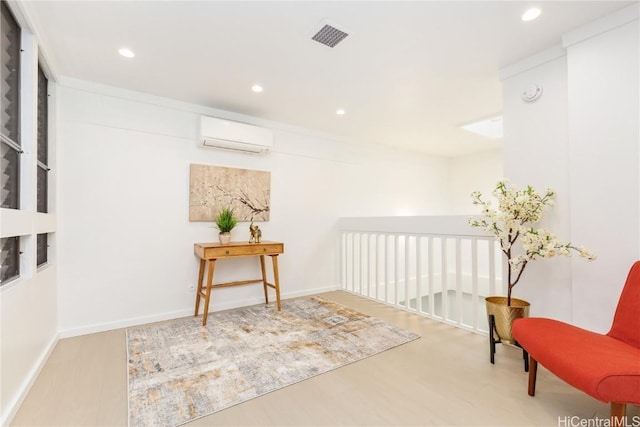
[603, 94]
[582, 138]
[536, 153]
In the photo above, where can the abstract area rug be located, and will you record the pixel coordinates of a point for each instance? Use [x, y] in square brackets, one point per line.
[180, 370]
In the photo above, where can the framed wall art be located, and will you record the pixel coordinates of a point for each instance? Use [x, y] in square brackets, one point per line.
[212, 188]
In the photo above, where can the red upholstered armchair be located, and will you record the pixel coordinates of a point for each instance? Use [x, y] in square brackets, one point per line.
[606, 367]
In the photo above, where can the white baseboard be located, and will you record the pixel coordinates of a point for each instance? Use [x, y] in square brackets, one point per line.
[311, 292]
[135, 321]
[12, 409]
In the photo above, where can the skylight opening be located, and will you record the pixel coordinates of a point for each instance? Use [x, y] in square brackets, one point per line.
[489, 128]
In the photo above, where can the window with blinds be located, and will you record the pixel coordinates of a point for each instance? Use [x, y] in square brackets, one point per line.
[42, 249]
[10, 148]
[10, 112]
[43, 143]
[9, 259]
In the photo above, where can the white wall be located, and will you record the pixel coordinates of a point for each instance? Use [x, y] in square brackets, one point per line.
[474, 172]
[582, 139]
[28, 309]
[604, 140]
[125, 241]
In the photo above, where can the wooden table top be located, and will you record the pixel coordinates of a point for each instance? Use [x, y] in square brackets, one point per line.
[237, 249]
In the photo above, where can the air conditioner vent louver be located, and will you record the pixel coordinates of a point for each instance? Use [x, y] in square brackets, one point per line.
[329, 36]
[235, 136]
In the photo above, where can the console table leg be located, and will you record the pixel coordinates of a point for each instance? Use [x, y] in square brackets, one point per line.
[212, 263]
[276, 278]
[264, 279]
[199, 285]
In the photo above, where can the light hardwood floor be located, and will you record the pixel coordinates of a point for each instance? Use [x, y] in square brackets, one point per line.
[442, 379]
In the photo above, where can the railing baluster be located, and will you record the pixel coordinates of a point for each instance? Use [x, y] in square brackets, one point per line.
[474, 283]
[344, 262]
[354, 260]
[364, 270]
[444, 274]
[368, 258]
[418, 274]
[396, 262]
[386, 268]
[492, 269]
[377, 266]
[349, 262]
[371, 262]
[407, 272]
[432, 296]
[459, 308]
[370, 265]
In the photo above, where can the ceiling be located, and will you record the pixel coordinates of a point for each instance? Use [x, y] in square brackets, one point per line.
[408, 75]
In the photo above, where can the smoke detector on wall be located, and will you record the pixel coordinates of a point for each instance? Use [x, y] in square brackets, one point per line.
[532, 93]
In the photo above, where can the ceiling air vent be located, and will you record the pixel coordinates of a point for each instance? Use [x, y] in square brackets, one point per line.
[329, 36]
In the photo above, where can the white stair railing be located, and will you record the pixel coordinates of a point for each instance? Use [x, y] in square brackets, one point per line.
[438, 267]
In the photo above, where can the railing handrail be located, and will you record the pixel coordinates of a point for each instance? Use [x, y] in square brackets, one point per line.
[450, 225]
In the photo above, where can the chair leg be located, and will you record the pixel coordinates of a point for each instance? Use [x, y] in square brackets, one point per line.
[618, 414]
[533, 371]
[525, 356]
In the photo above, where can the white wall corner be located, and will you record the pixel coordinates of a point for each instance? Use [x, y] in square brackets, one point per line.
[14, 405]
[533, 61]
[602, 25]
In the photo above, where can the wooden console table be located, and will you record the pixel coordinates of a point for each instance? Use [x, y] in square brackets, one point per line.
[209, 253]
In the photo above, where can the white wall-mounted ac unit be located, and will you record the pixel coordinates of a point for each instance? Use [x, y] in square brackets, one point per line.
[236, 136]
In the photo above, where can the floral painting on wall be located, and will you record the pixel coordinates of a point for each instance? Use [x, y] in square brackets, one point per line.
[245, 191]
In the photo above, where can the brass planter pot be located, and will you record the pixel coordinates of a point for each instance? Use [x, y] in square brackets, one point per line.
[504, 315]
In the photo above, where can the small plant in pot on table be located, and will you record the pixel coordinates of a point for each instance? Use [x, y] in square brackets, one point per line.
[225, 222]
[513, 222]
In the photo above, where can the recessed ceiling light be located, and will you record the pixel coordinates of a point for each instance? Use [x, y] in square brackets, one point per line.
[531, 14]
[489, 128]
[257, 88]
[127, 53]
[340, 112]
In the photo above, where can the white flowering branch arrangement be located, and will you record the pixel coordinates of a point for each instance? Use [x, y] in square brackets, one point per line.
[517, 211]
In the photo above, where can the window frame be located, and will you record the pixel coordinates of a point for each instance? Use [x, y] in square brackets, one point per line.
[13, 197]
